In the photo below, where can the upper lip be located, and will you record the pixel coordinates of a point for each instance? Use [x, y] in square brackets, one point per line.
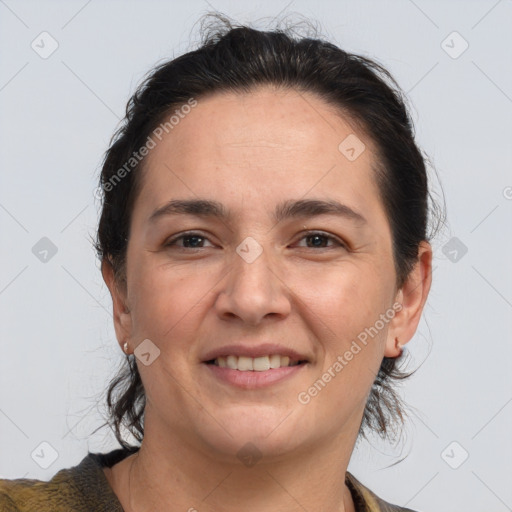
[265, 349]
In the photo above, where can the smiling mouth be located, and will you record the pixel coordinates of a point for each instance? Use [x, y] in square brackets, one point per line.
[254, 364]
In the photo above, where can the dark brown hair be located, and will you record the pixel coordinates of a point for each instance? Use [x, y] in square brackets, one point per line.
[238, 58]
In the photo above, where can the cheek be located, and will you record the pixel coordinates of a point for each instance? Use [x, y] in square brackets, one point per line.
[342, 318]
[163, 299]
[343, 309]
[346, 299]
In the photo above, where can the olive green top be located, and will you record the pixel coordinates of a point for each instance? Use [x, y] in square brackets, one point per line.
[85, 488]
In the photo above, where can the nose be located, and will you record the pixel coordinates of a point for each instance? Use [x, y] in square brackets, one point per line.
[253, 291]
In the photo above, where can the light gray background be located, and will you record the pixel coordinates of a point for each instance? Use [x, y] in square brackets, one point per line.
[58, 348]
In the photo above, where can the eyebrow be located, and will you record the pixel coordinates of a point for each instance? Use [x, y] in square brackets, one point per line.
[285, 210]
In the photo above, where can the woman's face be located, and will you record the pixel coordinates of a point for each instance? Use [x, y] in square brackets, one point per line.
[280, 273]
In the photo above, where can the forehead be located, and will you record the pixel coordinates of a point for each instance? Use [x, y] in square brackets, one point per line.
[263, 121]
[264, 145]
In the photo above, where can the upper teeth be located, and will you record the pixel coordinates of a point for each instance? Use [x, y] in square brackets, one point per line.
[259, 364]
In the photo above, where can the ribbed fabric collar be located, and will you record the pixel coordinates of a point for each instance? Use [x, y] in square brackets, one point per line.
[85, 488]
[364, 499]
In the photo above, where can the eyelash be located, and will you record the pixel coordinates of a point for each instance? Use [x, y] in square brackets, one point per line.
[171, 242]
[327, 236]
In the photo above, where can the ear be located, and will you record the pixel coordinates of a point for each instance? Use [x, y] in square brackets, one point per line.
[121, 312]
[412, 296]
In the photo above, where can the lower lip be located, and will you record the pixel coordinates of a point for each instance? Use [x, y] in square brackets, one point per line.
[254, 379]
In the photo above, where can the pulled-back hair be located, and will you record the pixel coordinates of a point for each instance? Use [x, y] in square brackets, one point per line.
[233, 58]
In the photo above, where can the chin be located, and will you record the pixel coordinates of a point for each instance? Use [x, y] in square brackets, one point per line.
[268, 432]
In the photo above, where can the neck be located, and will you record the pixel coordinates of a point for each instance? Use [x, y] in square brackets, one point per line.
[165, 474]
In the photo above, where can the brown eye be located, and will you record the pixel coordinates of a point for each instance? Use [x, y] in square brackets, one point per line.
[193, 241]
[189, 241]
[320, 240]
[317, 240]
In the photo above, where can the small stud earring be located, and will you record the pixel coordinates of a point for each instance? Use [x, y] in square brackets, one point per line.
[125, 347]
[399, 346]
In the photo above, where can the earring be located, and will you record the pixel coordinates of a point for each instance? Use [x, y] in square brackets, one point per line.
[400, 347]
[125, 347]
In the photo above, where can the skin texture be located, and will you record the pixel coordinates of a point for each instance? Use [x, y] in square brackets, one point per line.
[251, 151]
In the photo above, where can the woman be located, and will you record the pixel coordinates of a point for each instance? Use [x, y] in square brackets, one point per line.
[264, 240]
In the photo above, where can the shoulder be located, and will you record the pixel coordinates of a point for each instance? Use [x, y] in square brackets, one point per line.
[6, 503]
[23, 494]
[367, 501]
[81, 488]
